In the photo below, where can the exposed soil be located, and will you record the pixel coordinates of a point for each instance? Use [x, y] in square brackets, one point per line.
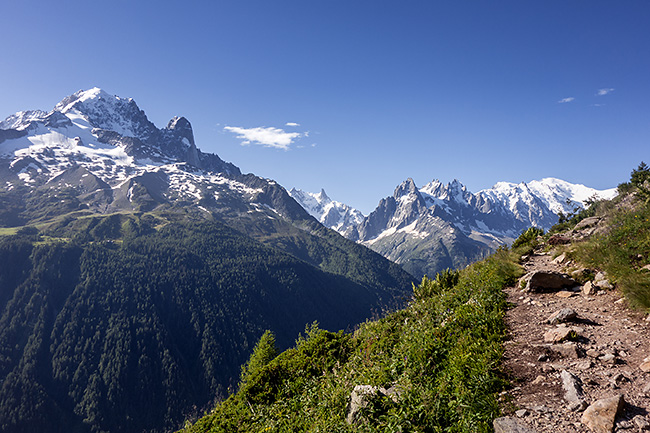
[604, 325]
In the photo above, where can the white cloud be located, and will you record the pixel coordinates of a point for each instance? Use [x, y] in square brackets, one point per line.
[292, 124]
[565, 100]
[603, 92]
[266, 136]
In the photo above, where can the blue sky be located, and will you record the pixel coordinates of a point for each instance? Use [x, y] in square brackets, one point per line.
[380, 90]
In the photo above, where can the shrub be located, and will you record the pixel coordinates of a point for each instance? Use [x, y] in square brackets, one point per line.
[528, 237]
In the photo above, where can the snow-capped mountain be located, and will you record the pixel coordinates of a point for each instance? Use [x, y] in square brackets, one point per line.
[332, 214]
[105, 149]
[437, 226]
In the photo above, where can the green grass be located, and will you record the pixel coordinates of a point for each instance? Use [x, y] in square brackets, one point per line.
[443, 352]
[623, 252]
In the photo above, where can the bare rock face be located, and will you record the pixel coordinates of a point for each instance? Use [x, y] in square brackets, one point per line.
[510, 425]
[601, 415]
[547, 281]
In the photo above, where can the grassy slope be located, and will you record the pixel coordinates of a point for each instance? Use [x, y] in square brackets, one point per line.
[442, 351]
[624, 250]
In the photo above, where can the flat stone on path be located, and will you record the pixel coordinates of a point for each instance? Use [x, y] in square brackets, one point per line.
[558, 335]
[510, 425]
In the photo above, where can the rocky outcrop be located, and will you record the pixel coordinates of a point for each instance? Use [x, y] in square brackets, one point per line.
[362, 395]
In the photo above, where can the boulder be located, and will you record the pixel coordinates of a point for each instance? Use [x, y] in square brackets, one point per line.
[546, 281]
[561, 316]
[601, 415]
[510, 425]
[587, 223]
[558, 240]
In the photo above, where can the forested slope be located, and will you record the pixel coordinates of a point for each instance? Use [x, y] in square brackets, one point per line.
[111, 324]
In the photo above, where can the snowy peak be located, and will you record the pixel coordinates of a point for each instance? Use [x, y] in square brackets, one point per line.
[95, 108]
[332, 214]
[562, 196]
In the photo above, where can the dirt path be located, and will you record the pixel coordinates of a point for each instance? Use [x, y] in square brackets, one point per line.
[612, 343]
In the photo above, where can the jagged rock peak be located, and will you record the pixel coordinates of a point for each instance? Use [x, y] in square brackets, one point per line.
[182, 127]
[406, 187]
[323, 196]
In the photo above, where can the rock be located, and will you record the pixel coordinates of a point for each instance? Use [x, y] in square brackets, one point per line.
[584, 365]
[560, 259]
[604, 284]
[559, 334]
[601, 415]
[593, 353]
[608, 358]
[510, 425]
[567, 350]
[589, 289]
[564, 294]
[600, 276]
[560, 316]
[546, 281]
[521, 413]
[542, 358]
[641, 422]
[646, 267]
[538, 380]
[586, 223]
[573, 390]
[361, 395]
[558, 240]
[646, 390]
[645, 366]
[647, 319]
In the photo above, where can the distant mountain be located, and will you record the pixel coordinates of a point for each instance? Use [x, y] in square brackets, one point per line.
[438, 226]
[332, 214]
[141, 271]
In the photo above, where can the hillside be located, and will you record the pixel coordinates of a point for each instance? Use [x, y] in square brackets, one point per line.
[471, 346]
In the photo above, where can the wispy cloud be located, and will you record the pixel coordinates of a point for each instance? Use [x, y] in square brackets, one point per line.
[292, 124]
[266, 136]
[603, 92]
[565, 100]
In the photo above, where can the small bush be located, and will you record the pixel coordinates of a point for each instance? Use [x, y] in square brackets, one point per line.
[528, 237]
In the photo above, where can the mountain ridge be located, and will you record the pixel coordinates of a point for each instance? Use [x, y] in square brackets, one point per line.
[460, 225]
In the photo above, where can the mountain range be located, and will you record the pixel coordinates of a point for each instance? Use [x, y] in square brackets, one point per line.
[442, 226]
[140, 272]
